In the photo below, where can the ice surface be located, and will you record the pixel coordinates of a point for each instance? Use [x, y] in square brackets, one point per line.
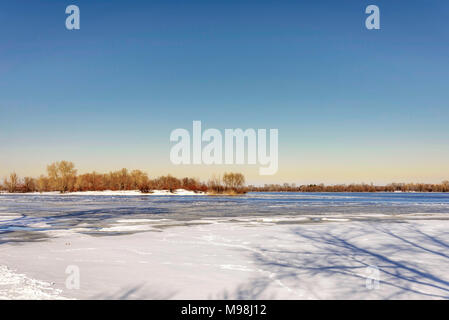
[259, 246]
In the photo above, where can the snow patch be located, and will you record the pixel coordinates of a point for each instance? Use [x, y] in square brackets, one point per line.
[19, 286]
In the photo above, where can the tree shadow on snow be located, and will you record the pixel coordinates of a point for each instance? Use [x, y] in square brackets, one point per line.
[333, 263]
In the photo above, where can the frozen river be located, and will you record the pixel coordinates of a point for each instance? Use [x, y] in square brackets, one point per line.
[260, 245]
[24, 214]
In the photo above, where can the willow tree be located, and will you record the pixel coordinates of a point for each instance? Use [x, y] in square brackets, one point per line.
[234, 181]
[62, 175]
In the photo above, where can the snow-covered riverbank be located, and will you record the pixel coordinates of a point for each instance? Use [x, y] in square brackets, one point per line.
[181, 192]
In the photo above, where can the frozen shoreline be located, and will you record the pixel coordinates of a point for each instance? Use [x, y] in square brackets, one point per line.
[238, 260]
[180, 192]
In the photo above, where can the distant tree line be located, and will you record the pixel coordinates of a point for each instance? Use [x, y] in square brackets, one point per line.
[62, 176]
[392, 187]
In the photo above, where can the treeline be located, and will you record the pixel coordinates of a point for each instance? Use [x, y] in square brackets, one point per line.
[62, 176]
[392, 187]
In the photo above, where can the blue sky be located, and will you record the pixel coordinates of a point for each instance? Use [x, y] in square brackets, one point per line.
[351, 104]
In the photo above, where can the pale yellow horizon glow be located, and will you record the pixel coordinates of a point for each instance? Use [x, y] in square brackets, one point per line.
[300, 173]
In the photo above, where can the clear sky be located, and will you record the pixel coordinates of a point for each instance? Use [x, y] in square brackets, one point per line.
[351, 104]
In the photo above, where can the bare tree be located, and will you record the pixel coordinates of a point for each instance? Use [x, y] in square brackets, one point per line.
[62, 175]
[214, 184]
[12, 183]
[43, 184]
[234, 181]
[29, 184]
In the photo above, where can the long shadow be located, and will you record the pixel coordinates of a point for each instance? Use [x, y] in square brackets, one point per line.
[252, 290]
[441, 244]
[415, 274]
[332, 256]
